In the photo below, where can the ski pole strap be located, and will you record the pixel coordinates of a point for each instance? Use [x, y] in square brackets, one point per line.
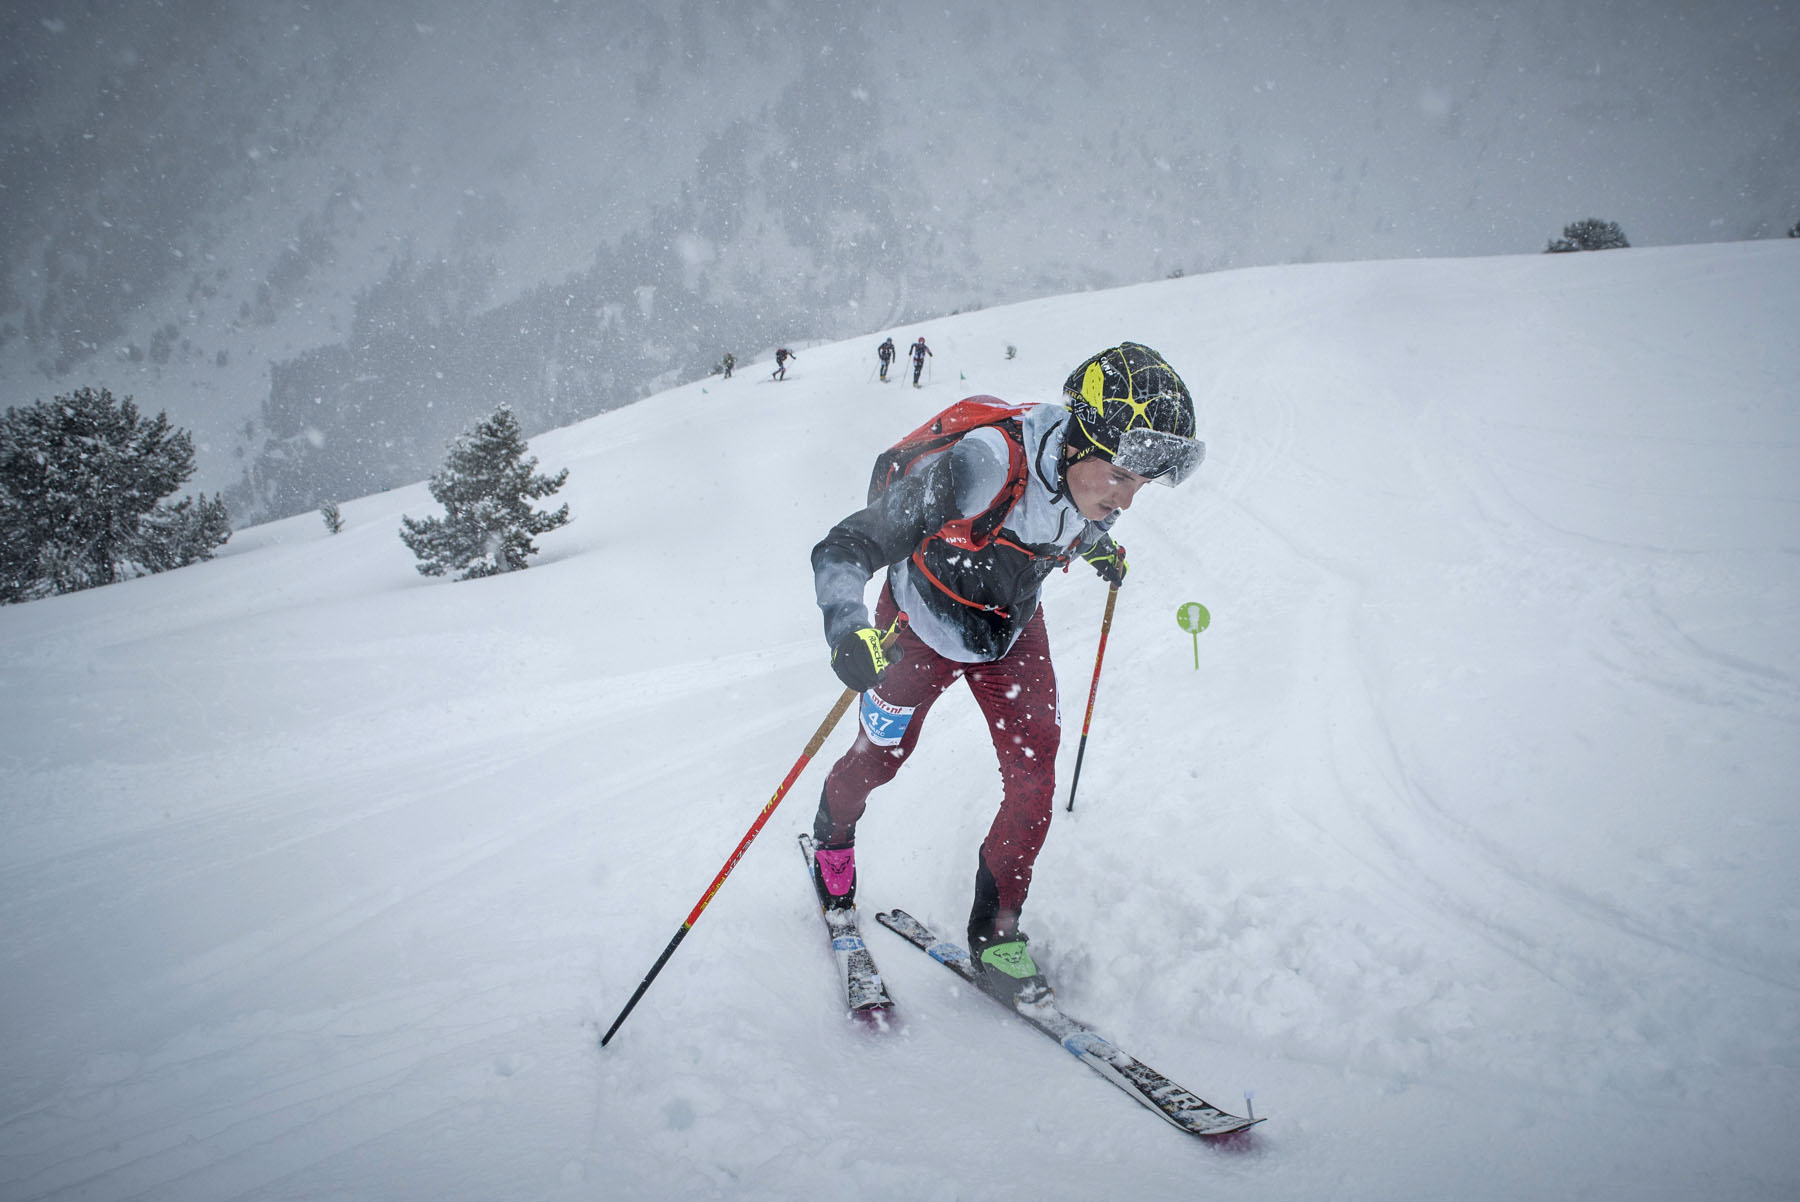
[891, 635]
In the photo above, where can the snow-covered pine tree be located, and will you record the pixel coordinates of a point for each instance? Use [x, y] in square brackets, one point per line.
[1590, 233]
[486, 487]
[82, 482]
[173, 535]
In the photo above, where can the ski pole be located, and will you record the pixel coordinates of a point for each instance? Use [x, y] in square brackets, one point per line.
[812, 748]
[1112, 597]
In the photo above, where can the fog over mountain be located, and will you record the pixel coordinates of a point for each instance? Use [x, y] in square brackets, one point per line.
[326, 236]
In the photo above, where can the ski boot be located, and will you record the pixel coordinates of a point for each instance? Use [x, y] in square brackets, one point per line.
[1004, 968]
[834, 876]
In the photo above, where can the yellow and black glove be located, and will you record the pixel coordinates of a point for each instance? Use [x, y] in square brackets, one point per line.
[1108, 559]
[860, 660]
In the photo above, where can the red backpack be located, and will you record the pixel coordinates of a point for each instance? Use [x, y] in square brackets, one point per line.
[970, 413]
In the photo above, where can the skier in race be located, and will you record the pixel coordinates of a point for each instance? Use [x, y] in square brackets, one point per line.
[968, 534]
[782, 355]
[919, 351]
[885, 352]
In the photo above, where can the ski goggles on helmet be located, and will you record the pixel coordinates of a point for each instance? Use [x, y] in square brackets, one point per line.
[1168, 458]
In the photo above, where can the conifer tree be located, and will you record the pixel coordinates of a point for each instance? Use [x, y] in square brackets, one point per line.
[486, 487]
[82, 482]
[1590, 233]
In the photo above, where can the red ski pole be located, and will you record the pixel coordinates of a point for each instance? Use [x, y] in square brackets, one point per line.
[812, 748]
[1112, 597]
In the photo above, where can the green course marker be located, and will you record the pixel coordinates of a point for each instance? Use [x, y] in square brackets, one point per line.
[1193, 618]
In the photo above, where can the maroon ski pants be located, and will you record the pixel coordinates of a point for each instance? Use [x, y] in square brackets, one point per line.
[1016, 693]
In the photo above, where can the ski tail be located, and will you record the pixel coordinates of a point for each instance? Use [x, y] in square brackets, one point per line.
[1177, 1106]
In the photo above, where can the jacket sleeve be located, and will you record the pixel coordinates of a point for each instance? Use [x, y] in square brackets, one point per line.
[1097, 534]
[955, 484]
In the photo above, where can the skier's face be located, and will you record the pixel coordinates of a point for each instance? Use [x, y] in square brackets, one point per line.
[1099, 489]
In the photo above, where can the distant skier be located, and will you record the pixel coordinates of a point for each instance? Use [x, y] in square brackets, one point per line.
[730, 362]
[782, 355]
[886, 352]
[919, 351]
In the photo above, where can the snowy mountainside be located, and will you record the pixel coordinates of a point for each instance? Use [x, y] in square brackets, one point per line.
[1467, 846]
[325, 236]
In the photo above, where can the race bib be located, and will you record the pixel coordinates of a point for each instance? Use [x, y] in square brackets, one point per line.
[884, 724]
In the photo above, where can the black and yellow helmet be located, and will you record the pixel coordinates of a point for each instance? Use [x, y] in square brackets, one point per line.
[1128, 406]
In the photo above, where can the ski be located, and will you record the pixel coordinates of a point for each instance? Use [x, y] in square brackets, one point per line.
[865, 994]
[1177, 1106]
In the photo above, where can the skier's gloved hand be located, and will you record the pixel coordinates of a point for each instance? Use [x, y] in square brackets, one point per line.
[860, 660]
[1108, 559]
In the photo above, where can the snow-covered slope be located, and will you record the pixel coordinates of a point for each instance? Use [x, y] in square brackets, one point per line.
[1468, 845]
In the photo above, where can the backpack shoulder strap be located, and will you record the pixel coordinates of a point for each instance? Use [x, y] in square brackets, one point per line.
[947, 427]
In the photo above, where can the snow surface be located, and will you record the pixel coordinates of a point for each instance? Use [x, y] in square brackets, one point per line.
[1469, 846]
